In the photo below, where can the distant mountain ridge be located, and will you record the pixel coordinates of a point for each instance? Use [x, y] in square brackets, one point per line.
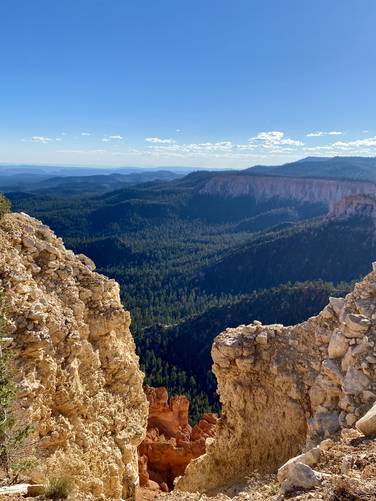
[359, 168]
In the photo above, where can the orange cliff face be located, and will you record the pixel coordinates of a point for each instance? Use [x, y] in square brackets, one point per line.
[309, 190]
[356, 205]
[170, 443]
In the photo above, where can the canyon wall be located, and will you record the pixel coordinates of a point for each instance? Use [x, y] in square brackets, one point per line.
[310, 190]
[284, 389]
[75, 364]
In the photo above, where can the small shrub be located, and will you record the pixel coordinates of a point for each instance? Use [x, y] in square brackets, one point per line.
[4, 205]
[59, 488]
[12, 436]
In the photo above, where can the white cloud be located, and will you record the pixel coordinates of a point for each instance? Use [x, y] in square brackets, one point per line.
[178, 130]
[83, 152]
[85, 133]
[40, 139]
[322, 133]
[114, 137]
[358, 143]
[272, 138]
[158, 140]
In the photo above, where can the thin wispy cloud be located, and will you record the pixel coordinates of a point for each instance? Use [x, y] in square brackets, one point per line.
[114, 137]
[159, 140]
[41, 139]
[83, 152]
[322, 133]
[85, 133]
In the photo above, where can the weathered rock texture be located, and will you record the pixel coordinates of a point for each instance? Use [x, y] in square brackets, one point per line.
[356, 205]
[284, 389]
[75, 363]
[171, 443]
[311, 190]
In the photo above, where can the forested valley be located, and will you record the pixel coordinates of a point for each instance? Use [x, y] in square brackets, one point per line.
[191, 265]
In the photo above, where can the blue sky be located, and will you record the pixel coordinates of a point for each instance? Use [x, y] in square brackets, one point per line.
[215, 83]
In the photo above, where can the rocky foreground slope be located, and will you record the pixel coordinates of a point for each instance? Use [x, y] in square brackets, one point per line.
[285, 389]
[75, 363]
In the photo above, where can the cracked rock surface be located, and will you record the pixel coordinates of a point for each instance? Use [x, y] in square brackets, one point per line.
[285, 389]
[75, 363]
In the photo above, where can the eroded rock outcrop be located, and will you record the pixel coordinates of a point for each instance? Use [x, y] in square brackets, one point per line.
[284, 389]
[75, 363]
[356, 205]
[170, 443]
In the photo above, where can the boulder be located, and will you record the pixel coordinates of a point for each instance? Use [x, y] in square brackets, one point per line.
[355, 381]
[300, 476]
[356, 325]
[367, 424]
[338, 345]
[309, 458]
[337, 304]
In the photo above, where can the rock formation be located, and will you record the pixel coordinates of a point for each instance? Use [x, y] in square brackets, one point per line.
[356, 205]
[284, 389]
[311, 190]
[170, 442]
[75, 363]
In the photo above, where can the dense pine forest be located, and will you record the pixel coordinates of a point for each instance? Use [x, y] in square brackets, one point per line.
[190, 265]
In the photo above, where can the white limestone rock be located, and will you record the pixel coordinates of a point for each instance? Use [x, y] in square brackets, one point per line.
[367, 424]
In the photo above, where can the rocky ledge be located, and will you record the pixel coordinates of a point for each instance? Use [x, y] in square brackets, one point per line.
[285, 389]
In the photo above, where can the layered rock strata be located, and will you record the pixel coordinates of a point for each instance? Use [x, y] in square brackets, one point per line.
[284, 389]
[75, 364]
[170, 443]
[308, 190]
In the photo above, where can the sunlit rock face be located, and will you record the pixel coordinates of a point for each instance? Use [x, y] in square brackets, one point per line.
[284, 389]
[309, 190]
[75, 363]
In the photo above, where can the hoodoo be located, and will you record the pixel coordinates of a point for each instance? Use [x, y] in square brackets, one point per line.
[171, 443]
